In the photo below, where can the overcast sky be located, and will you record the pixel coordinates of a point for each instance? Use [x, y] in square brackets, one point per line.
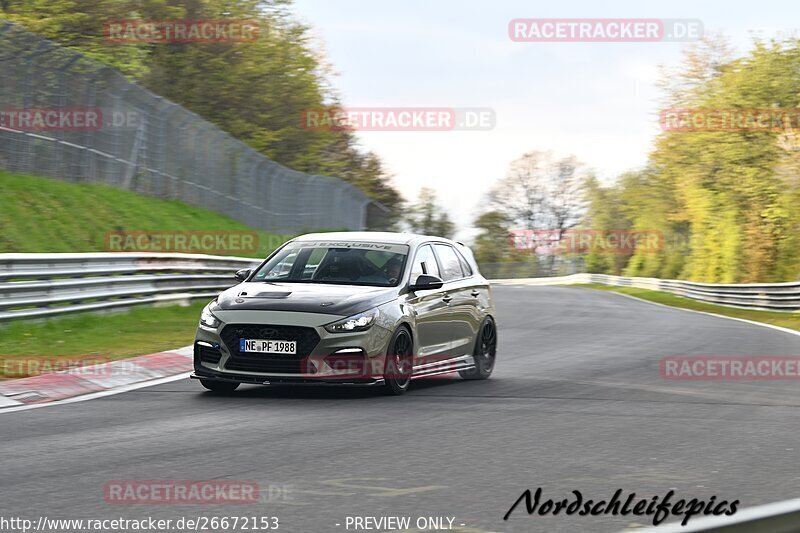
[597, 101]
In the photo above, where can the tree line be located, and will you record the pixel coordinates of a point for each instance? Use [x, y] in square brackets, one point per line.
[726, 199]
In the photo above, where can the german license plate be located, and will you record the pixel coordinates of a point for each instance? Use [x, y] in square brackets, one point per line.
[268, 346]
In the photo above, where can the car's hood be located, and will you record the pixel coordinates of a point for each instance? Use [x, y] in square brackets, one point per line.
[344, 300]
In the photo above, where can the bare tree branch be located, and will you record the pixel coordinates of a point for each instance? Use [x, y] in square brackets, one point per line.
[540, 192]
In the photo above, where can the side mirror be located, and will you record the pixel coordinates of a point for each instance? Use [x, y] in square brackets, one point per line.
[426, 283]
[242, 274]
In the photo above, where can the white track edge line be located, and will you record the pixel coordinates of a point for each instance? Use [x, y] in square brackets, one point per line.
[753, 322]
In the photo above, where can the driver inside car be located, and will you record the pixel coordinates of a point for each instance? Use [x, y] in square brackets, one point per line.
[392, 270]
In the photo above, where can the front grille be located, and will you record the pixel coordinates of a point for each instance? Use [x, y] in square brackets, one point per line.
[207, 354]
[306, 338]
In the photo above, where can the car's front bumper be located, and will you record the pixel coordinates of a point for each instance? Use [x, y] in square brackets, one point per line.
[320, 364]
[295, 381]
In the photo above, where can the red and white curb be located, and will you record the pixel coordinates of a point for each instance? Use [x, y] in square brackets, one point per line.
[121, 375]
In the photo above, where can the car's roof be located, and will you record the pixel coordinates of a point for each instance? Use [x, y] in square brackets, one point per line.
[370, 236]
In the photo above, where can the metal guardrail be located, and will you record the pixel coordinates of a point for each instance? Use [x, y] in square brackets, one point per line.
[45, 285]
[759, 296]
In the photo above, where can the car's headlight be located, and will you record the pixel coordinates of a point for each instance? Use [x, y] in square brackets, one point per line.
[207, 318]
[360, 322]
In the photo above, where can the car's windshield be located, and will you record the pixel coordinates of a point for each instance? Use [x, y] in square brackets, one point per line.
[345, 263]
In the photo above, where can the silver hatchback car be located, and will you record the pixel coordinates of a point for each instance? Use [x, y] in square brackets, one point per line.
[350, 308]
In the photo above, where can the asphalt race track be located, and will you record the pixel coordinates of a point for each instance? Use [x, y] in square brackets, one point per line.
[576, 403]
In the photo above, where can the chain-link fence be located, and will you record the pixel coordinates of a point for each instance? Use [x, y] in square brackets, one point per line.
[147, 144]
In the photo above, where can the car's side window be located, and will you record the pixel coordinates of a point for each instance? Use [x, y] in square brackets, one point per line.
[451, 266]
[424, 263]
[313, 262]
[281, 270]
[465, 268]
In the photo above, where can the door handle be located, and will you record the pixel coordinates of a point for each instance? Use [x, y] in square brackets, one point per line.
[447, 298]
[475, 293]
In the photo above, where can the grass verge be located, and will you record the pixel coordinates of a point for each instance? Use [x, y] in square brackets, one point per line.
[31, 348]
[46, 215]
[785, 320]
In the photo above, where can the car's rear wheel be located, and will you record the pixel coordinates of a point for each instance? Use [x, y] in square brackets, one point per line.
[219, 386]
[399, 362]
[485, 352]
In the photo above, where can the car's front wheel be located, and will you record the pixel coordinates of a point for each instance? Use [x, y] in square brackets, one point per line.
[219, 386]
[485, 352]
[399, 362]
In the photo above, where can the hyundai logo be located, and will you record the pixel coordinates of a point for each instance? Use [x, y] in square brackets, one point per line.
[268, 332]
